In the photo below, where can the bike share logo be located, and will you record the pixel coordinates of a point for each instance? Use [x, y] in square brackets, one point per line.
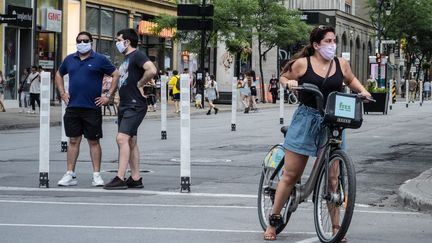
[344, 107]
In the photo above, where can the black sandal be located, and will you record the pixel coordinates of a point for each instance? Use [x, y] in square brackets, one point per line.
[275, 220]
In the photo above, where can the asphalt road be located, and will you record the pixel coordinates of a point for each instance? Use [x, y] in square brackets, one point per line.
[387, 150]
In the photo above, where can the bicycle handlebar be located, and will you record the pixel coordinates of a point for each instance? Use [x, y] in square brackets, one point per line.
[312, 88]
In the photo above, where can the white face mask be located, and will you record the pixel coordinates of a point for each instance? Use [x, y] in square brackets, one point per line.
[121, 47]
[328, 51]
[83, 47]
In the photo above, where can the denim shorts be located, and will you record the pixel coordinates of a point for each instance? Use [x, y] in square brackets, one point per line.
[305, 134]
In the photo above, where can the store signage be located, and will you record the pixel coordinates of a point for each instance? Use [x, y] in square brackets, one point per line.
[7, 19]
[145, 28]
[51, 20]
[46, 64]
[24, 16]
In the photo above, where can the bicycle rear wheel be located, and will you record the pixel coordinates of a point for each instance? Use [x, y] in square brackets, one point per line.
[334, 198]
[266, 197]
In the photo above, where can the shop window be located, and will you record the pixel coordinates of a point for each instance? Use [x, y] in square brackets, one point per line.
[20, 3]
[92, 16]
[107, 23]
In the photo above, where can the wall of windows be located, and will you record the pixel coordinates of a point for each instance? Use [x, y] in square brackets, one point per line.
[103, 23]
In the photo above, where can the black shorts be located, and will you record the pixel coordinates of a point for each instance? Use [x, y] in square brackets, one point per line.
[79, 121]
[253, 91]
[129, 119]
[176, 97]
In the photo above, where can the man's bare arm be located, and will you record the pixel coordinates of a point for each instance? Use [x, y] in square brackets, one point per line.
[150, 72]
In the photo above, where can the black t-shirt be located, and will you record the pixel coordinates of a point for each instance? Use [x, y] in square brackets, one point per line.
[333, 83]
[273, 83]
[131, 71]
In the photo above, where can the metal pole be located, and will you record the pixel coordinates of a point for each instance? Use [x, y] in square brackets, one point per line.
[185, 165]
[379, 41]
[421, 92]
[234, 104]
[44, 131]
[163, 96]
[64, 139]
[390, 94]
[203, 36]
[407, 92]
[281, 103]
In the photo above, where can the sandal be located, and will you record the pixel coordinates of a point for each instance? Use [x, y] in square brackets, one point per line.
[274, 221]
[335, 229]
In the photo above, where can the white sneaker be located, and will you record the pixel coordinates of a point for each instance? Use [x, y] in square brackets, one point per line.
[68, 179]
[97, 179]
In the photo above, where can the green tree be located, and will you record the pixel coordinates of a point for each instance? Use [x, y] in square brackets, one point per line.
[409, 21]
[275, 25]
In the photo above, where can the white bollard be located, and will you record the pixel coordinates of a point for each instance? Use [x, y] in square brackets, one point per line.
[44, 131]
[234, 104]
[281, 104]
[163, 95]
[185, 165]
[421, 92]
[64, 139]
[407, 92]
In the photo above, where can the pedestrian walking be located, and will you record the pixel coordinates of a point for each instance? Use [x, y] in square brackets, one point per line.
[253, 89]
[427, 89]
[150, 93]
[273, 88]
[24, 90]
[34, 91]
[412, 89]
[136, 71]
[2, 85]
[314, 64]
[245, 92]
[83, 115]
[212, 94]
[174, 84]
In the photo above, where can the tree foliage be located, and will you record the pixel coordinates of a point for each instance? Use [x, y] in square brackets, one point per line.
[409, 21]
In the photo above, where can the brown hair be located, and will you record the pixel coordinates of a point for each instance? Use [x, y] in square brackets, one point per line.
[316, 35]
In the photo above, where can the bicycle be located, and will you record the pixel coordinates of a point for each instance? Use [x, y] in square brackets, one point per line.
[290, 97]
[329, 196]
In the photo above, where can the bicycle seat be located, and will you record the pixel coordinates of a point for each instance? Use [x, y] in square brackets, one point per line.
[284, 130]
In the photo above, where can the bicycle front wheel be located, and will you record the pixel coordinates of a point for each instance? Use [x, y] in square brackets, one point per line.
[266, 197]
[334, 198]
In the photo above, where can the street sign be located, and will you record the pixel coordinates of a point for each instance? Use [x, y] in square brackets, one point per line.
[195, 24]
[8, 19]
[194, 10]
[388, 42]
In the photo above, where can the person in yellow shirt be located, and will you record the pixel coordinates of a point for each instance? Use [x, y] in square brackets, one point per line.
[174, 83]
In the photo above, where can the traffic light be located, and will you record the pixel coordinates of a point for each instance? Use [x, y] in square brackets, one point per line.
[378, 58]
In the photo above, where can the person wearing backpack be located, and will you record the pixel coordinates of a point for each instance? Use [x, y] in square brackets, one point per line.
[175, 84]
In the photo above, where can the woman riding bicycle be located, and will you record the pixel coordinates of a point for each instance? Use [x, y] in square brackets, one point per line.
[311, 65]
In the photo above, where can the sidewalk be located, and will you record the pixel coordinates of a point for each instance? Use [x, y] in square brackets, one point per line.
[417, 193]
[13, 119]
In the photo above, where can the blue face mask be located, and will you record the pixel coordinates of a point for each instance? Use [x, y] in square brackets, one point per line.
[83, 47]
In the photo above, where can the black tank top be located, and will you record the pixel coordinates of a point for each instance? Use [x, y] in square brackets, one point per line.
[333, 83]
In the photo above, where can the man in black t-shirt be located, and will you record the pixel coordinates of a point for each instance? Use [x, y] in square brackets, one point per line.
[135, 71]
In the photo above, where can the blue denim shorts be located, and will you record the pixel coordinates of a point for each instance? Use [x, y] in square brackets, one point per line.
[305, 134]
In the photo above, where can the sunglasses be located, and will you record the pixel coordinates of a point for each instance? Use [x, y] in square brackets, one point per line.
[323, 27]
[83, 41]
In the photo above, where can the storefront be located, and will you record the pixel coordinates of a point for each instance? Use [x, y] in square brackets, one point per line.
[17, 47]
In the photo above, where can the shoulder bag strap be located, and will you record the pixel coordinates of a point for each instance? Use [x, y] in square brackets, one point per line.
[328, 72]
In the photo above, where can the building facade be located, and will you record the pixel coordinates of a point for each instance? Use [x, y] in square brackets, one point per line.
[354, 33]
[45, 33]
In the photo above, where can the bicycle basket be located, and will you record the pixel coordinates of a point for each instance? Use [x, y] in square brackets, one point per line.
[344, 110]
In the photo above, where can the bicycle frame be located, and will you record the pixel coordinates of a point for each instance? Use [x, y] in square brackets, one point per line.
[302, 191]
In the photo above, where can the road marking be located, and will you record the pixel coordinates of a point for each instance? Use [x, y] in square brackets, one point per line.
[310, 240]
[145, 228]
[182, 206]
[143, 192]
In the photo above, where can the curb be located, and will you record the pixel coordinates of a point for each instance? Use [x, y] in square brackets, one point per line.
[417, 193]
